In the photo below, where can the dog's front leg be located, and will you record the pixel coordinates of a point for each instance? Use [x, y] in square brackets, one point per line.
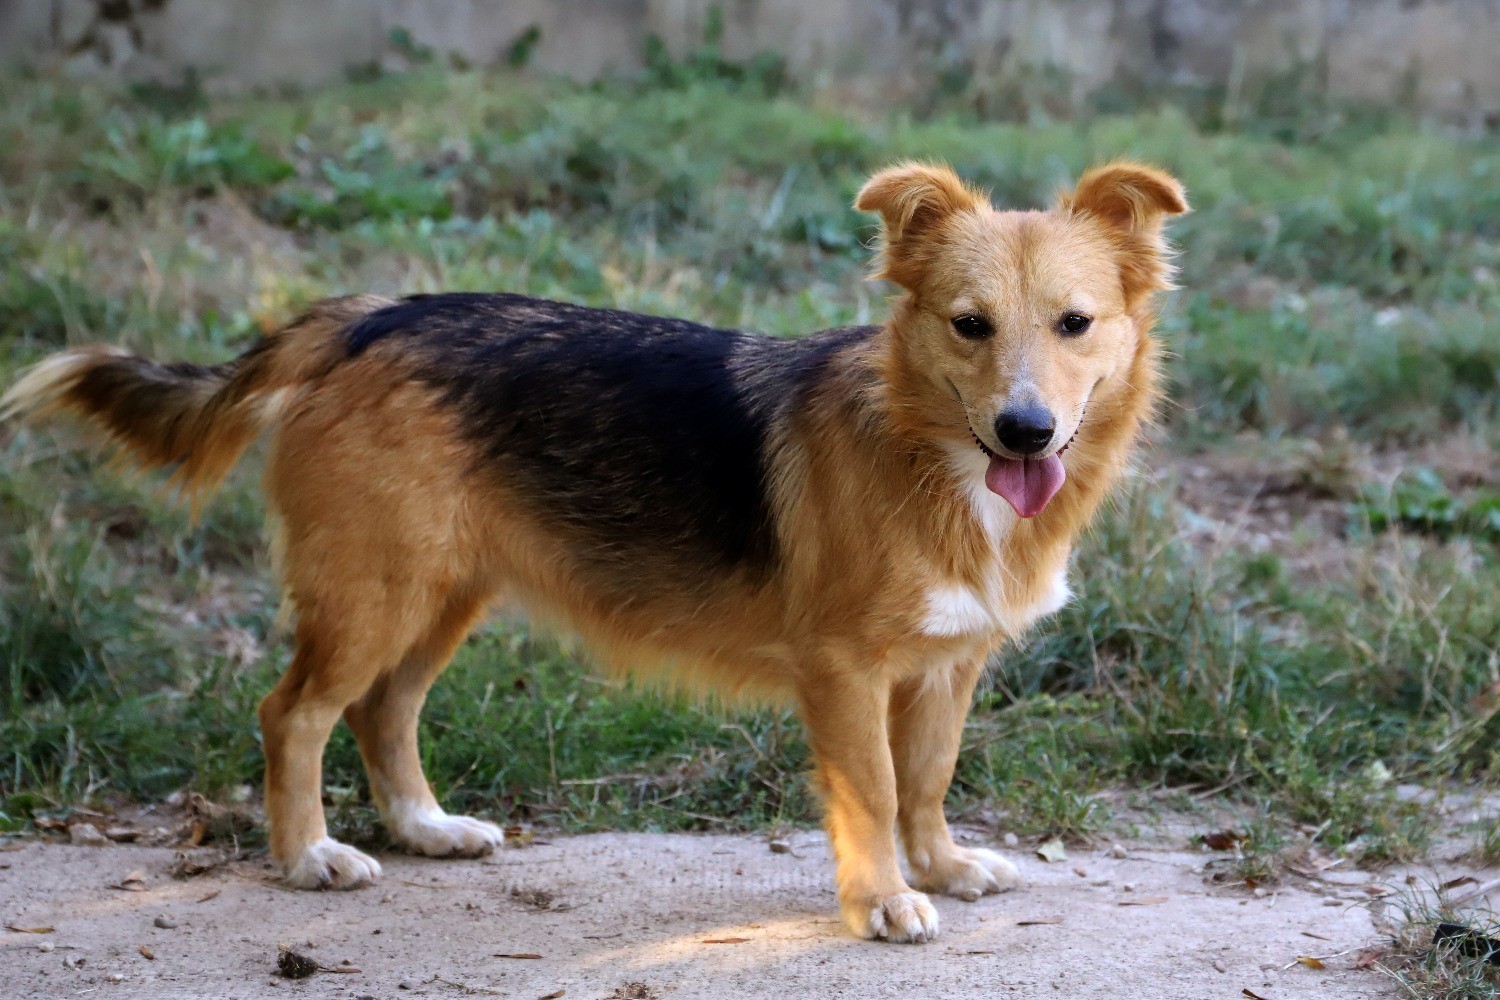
[845, 716]
[927, 722]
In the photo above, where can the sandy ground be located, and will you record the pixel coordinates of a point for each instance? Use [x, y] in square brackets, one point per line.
[665, 916]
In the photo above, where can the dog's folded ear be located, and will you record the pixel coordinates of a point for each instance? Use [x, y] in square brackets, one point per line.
[1131, 196]
[1132, 200]
[912, 198]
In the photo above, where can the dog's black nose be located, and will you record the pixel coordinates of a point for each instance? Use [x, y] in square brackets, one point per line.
[1025, 430]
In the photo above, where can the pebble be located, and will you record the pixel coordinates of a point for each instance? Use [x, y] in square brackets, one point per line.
[1219, 965]
[45, 946]
[1011, 840]
[1118, 852]
[1127, 887]
[781, 846]
[1330, 901]
[86, 835]
[165, 922]
[115, 977]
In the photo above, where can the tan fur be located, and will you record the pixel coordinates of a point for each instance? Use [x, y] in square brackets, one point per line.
[391, 547]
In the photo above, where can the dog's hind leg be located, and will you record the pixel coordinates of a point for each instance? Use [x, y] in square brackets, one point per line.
[927, 721]
[333, 666]
[845, 716]
[385, 724]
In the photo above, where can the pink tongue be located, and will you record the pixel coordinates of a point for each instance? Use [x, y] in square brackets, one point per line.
[1027, 484]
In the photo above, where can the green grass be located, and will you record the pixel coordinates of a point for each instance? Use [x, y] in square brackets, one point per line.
[1341, 272]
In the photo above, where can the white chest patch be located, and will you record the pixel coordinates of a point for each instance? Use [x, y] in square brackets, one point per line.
[958, 609]
[955, 611]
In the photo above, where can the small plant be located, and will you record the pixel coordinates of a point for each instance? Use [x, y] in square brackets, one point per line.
[1439, 951]
[1419, 501]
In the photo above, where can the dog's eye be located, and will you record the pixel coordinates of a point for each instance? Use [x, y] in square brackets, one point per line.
[1075, 323]
[972, 327]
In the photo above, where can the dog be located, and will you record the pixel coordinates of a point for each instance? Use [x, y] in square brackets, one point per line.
[850, 522]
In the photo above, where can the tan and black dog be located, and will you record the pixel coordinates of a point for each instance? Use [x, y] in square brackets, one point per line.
[849, 522]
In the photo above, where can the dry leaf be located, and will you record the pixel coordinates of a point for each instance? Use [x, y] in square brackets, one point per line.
[978, 952]
[147, 953]
[1052, 851]
[1252, 994]
[211, 895]
[1038, 921]
[1451, 883]
[728, 940]
[1310, 962]
[1223, 840]
[1145, 901]
[1381, 890]
[518, 954]
[134, 882]
[552, 996]
[30, 930]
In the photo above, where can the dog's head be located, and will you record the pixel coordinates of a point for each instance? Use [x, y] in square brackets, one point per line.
[1019, 319]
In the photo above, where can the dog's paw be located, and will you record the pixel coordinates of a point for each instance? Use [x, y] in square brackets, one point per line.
[904, 918]
[971, 872]
[436, 834]
[327, 864]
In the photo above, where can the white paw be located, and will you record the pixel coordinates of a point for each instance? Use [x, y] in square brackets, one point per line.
[906, 917]
[972, 873]
[327, 864]
[428, 830]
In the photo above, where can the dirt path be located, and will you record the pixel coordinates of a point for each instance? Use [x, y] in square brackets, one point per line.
[634, 916]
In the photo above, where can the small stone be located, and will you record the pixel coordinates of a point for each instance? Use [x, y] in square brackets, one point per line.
[1127, 887]
[165, 922]
[1011, 840]
[780, 846]
[1330, 901]
[45, 946]
[115, 977]
[1219, 965]
[1118, 852]
[86, 835]
[404, 985]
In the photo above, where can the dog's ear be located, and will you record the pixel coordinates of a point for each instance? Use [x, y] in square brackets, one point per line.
[911, 198]
[1132, 200]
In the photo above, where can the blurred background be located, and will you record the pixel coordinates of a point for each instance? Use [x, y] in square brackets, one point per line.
[1288, 622]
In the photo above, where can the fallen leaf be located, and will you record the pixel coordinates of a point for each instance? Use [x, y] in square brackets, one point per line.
[1454, 883]
[30, 930]
[347, 970]
[1377, 890]
[1222, 840]
[552, 996]
[728, 940]
[518, 954]
[1318, 936]
[1145, 901]
[1038, 921]
[134, 882]
[147, 953]
[1252, 994]
[212, 895]
[1310, 962]
[1052, 851]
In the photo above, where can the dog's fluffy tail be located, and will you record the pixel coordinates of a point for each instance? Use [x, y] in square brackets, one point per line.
[196, 419]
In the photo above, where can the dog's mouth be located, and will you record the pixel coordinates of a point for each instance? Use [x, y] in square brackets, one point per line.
[1027, 484]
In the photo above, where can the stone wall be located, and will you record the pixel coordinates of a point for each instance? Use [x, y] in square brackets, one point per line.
[1437, 55]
